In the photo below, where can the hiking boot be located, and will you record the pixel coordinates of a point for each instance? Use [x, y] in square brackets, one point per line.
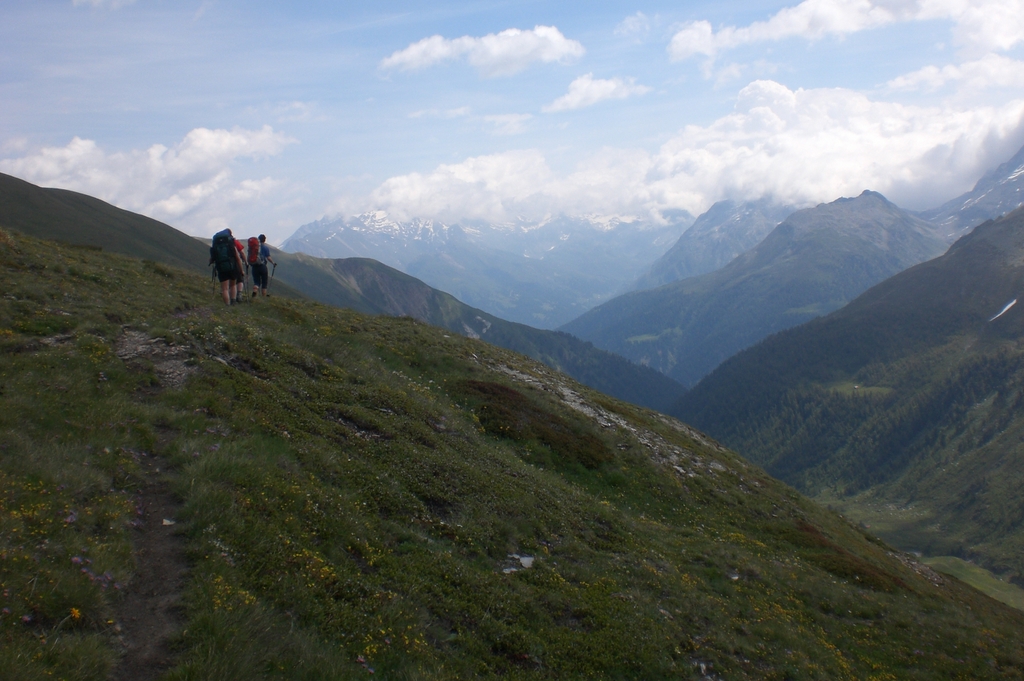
[253, 294]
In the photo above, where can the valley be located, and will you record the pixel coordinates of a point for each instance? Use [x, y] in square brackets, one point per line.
[541, 273]
[901, 409]
[812, 263]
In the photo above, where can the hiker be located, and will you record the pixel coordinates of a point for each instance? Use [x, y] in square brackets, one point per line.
[224, 255]
[242, 272]
[259, 256]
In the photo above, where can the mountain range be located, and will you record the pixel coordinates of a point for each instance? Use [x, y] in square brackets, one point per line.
[814, 262]
[903, 408]
[538, 273]
[716, 238]
[291, 490]
[359, 284]
[546, 273]
[997, 193]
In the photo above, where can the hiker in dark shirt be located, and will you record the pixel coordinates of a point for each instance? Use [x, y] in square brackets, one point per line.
[259, 268]
[225, 256]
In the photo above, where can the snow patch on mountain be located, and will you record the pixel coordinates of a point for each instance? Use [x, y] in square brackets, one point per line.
[1004, 310]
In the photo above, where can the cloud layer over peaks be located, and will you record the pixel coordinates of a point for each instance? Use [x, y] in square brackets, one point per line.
[798, 146]
[495, 54]
[195, 176]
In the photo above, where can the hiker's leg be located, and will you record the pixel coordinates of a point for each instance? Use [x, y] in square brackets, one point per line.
[259, 278]
[225, 292]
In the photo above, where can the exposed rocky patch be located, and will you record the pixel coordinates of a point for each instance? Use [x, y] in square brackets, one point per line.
[169, 361]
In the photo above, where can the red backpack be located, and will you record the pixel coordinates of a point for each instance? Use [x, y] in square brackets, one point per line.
[254, 250]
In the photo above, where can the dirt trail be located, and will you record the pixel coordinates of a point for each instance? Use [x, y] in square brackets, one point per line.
[150, 613]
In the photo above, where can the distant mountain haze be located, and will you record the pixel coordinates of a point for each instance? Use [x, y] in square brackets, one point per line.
[716, 237]
[814, 262]
[906, 407]
[357, 283]
[539, 273]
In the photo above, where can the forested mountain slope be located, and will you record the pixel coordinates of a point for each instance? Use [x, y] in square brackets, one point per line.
[341, 495]
[906, 405]
[816, 261]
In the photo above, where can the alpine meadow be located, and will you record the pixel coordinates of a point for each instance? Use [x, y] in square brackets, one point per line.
[523, 341]
[352, 493]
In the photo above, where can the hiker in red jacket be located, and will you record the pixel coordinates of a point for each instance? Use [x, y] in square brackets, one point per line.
[258, 266]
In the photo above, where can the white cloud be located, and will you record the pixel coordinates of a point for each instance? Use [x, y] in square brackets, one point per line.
[802, 147]
[586, 91]
[488, 187]
[190, 181]
[508, 124]
[807, 146]
[495, 54]
[979, 24]
[991, 71]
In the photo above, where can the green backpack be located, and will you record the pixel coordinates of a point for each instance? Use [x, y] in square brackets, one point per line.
[222, 253]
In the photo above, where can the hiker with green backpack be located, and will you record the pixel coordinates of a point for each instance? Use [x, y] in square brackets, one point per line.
[224, 256]
[259, 256]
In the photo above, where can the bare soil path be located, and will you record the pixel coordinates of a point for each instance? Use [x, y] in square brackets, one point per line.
[150, 614]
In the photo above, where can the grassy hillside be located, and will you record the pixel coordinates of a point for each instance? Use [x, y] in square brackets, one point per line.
[81, 219]
[357, 283]
[289, 490]
[383, 290]
[815, 262]
[904, 408]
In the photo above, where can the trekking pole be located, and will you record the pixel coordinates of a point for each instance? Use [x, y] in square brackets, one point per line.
[271, 278]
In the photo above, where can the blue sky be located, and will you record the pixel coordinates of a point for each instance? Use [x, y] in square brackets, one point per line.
[263, 116]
